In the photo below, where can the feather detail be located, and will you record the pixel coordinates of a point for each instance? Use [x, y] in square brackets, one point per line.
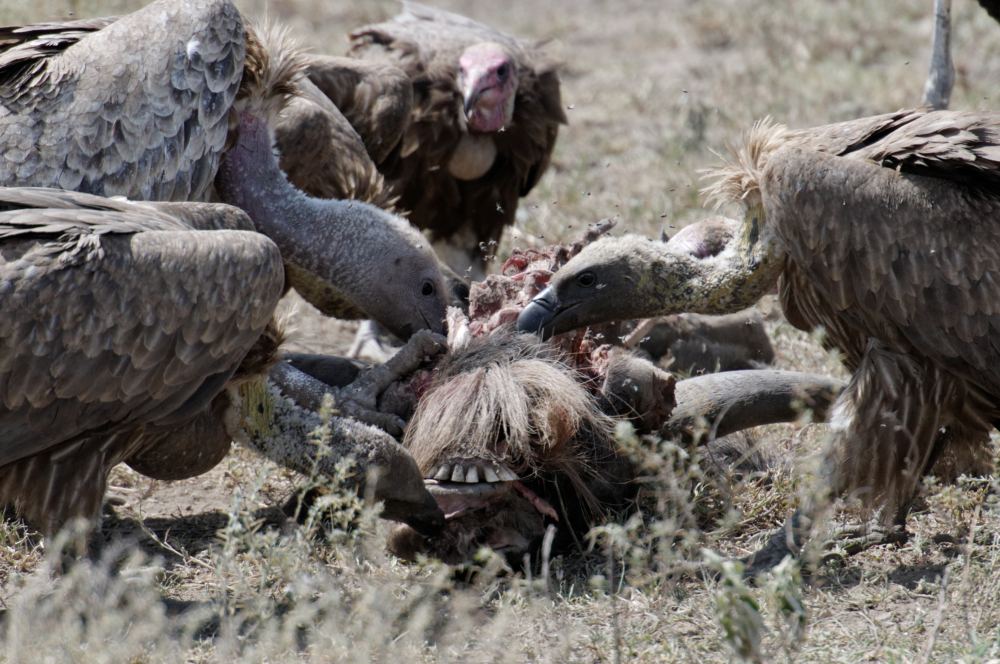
[739, 180]
[274, 61]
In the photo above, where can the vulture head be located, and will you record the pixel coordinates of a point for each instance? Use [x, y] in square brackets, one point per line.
[712, 267]
[348, 259]
[488, 80]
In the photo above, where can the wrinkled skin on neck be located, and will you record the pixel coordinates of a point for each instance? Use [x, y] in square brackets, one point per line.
[349, 259]
[634, 277]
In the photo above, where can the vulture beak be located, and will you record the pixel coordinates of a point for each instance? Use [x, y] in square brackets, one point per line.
[427, 519]
[471, 97]
[545, 316]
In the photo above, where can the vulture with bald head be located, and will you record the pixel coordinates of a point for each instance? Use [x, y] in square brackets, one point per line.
[883, 230]
[137, 331]
[485, 116]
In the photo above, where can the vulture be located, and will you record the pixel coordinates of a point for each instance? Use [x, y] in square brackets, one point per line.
[883, 230]
[485, 116]
[129, 326]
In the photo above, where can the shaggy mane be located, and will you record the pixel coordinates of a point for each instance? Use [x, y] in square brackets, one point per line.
[273, 63]
[511, 392]
[738, 181]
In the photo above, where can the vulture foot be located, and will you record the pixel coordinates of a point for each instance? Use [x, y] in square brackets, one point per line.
[849, 540]
[359, 400]
[788, 541]
[840, 543]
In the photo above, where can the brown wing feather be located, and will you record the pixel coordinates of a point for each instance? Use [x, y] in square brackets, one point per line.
[910, 259]
[321, 152]
[375, 98]
[138, 108]
[110, 318]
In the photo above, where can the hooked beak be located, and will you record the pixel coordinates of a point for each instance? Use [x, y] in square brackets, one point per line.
[427, 519]
[545, 316]
[470, 99]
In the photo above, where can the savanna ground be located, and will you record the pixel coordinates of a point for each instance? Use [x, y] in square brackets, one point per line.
[211, 572]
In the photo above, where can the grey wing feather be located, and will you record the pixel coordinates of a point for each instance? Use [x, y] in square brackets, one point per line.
[112, 318]
[138, 108]
[911, 259]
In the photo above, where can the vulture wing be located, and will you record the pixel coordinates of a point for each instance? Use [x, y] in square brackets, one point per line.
[322, 154]
[909, 254]
[136, 106]
[375, 98]
[114, 314]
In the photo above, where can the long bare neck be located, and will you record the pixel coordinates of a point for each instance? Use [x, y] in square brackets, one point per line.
[734, 279]
[306, 230]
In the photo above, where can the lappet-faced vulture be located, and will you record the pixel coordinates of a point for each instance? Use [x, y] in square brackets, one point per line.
[486, 113]
[157, 105]
[883, 230]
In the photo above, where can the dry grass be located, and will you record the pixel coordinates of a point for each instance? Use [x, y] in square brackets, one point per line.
[651, 87]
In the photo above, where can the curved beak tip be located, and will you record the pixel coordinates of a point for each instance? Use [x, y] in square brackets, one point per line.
[536, 318]
[428, 522]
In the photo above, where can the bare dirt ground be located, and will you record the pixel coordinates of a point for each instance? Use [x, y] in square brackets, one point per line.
[651, 88]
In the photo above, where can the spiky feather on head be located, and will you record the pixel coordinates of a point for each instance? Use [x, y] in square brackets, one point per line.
[739, 180]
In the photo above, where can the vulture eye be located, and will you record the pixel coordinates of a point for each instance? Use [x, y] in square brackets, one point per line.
[428, 289]
[502, 71]
[587, 279]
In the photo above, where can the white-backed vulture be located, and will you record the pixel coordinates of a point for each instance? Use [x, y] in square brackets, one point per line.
[485, 117]
[162, 105]
[136, 332]
[147, 109]
[884, 231]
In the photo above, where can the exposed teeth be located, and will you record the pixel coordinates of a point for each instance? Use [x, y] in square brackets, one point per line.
[490, 474]
[443, 473]
[506, 474]
[458, 475]
[472, 477]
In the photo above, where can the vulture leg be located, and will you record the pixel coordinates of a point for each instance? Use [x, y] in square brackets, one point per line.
[52, 489]
[901, 403]
[941, 79]
[917, 414]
